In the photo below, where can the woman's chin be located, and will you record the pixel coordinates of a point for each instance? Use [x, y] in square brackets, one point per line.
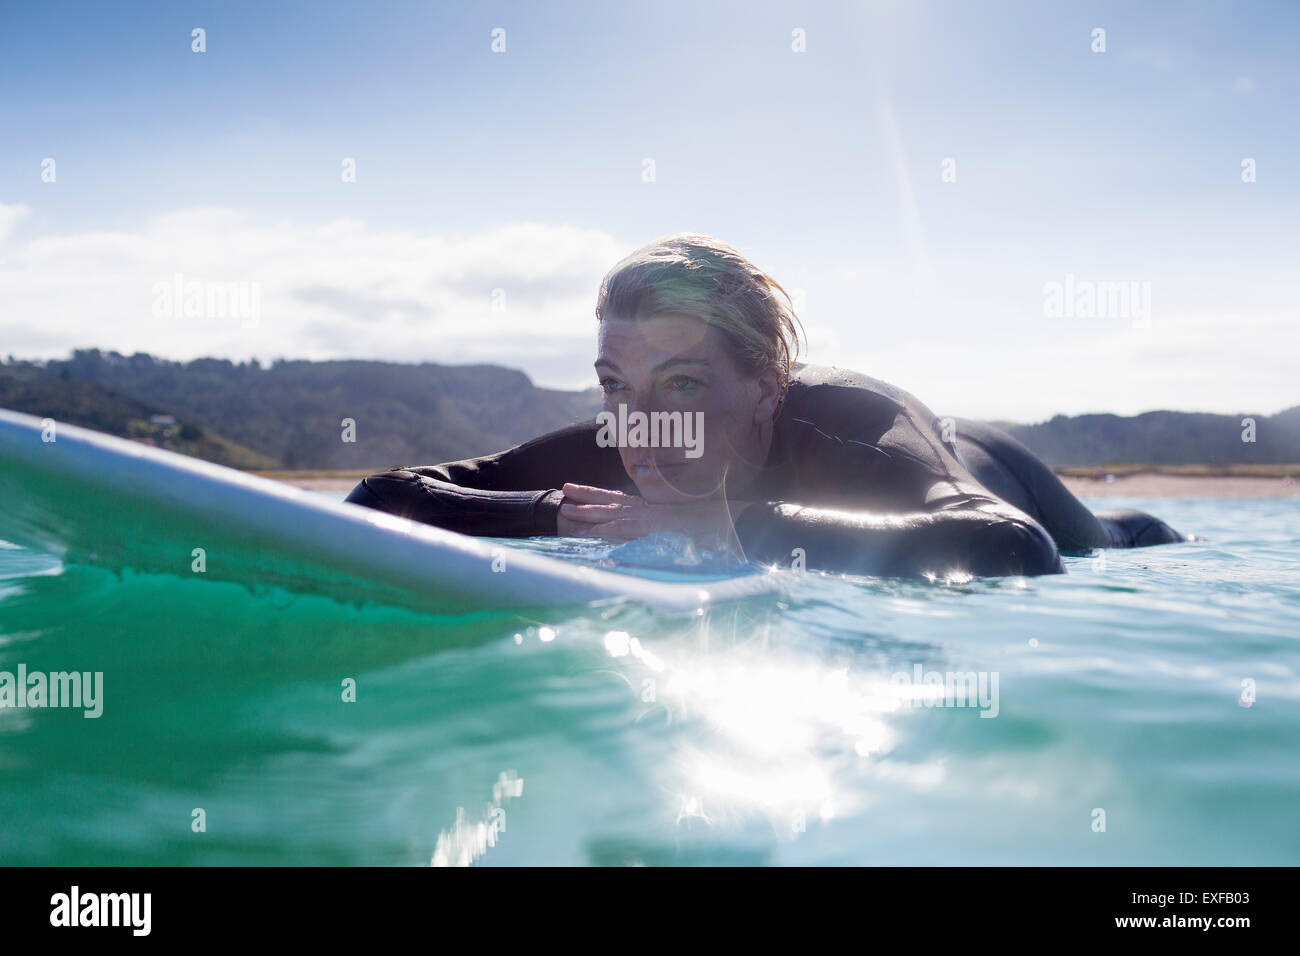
[672, 493]
[660, 494]
[658, 490]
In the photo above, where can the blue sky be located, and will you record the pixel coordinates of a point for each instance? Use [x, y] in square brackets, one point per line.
[522, 172]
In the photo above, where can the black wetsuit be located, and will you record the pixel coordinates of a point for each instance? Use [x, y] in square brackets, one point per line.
[858, 477]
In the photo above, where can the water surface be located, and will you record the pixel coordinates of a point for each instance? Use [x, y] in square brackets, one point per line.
[1157, 687]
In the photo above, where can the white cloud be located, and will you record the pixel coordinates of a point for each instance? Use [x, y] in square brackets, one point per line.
[9, 216]
[972, 344]
[334, 290]
[979, 346]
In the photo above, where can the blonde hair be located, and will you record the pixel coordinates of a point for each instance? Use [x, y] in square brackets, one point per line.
[701, 276]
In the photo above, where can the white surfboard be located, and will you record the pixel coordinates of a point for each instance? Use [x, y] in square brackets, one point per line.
[93, 498]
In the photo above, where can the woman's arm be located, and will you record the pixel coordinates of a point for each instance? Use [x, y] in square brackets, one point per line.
[476, 511]
[991, 539]
[879, 492]
[971, 533]
[512, 494]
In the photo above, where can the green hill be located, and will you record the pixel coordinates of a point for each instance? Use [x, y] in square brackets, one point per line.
[290, 414]
[93, 406]
[1164, 438]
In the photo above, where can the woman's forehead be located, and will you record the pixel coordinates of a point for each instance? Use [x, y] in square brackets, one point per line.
[650, 339]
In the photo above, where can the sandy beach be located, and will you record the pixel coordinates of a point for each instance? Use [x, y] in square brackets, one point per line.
[1155, 485]
[331, 486]
[1142, 485]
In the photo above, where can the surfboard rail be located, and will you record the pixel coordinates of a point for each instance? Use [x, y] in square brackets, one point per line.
[87, 496]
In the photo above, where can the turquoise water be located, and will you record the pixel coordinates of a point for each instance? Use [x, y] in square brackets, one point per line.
[1159, 686]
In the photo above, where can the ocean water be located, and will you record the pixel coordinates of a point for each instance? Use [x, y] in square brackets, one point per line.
[1142, 709]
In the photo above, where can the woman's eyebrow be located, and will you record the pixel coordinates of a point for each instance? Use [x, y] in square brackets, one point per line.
[679, 361]
[667, 363]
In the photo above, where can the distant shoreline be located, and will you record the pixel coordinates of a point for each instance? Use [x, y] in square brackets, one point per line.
[1160, 485]
[1182, 481]
[1126, 481]
[1186, 471]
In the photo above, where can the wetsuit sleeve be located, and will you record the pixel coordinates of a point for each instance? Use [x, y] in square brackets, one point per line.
[444, 504]
[512, 494]
[992, 539]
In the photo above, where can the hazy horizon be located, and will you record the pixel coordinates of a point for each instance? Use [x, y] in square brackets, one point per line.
[9, 358]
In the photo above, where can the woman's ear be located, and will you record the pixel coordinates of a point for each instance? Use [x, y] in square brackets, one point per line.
[770, 386]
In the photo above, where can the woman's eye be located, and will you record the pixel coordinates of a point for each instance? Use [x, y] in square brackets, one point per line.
[610, 385]
[682, 382]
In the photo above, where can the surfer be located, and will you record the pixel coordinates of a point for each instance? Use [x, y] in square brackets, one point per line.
[791, 464]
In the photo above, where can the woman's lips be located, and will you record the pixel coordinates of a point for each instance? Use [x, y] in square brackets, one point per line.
[653, 469]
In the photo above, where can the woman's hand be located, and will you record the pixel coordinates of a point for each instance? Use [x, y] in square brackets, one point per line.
[600, 513]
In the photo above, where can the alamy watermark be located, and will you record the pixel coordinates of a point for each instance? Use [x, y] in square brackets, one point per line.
[191, 299]
[39, 689]
[75, 908]
[652, 430]
[922, 688]
[1088, 299]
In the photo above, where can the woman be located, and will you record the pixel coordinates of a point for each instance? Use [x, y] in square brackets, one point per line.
[785, 463]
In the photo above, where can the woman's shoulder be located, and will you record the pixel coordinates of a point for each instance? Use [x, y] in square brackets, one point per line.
[829, 387]
[842, 402]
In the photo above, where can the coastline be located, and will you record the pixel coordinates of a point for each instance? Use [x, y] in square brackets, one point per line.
[1158, 485]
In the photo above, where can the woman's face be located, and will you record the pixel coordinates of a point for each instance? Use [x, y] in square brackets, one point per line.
[679, 364]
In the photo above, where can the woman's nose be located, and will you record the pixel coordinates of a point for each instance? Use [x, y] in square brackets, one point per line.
[643, 401]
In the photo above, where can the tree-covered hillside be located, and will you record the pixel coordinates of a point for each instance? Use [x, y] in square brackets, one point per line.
[291, 414]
